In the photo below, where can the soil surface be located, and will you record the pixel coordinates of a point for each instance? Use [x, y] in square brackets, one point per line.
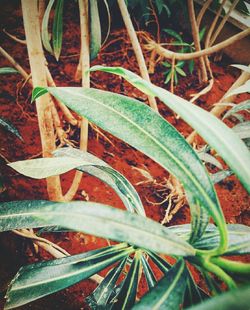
[15, 105]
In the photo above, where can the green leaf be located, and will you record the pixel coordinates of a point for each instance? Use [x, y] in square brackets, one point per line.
[101, 295]
[245, 105]
[95, 30]
[242, 130]
[235, 299]
[38, 92]
[215, 132]
[126, 296]
[149, 274]
[8, 126]
[238, 238]
[207, 158]
[220, 175]
[69, 159]
[41, 279]
[94, 219]
[191, 66]
[207, 198]
[173, 33]
[57, 31]
[168, 77]
[8, 70]
[169, 291]
[40, 168]
[45, 25]
[107, 174]
[180, 71]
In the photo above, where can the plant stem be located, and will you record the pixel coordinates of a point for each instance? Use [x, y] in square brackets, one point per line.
[216, 270]
[207, 51]
[43, 105]
[195, 34]
[137, 48]
[222, 23]
[203, 11]
[85, 65]
[231, 266]
[219, 109]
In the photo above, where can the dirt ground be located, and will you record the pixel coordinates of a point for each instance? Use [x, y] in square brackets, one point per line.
[15, 105]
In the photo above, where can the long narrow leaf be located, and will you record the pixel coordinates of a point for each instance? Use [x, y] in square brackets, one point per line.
[215, 132]
[127, 295]
[41, 279]
[8, 70]
[11, 128]
[101, 295]
[245, 105]
[57, 32]
[94, 219]
[235, 299]
[45, 30]
[149, 274]
[110, 176]
[169, 291]
[95, 30]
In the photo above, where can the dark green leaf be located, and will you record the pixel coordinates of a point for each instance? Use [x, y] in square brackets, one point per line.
[41, 279]
[95, 30]
[169, 291]
[126, 296]
[101, 295]
[58, 29]
[149, 274]
[235, 299]
[8, 126]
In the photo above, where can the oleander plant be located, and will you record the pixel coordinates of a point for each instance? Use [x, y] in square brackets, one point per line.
[141, 247]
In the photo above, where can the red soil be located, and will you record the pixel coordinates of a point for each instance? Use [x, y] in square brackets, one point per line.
[15, 105]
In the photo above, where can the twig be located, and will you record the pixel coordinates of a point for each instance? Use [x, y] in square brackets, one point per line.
[137, 48]
[203, 11]
[85, 64]
[50, 247]
[222, 23]
[16, 39]
[172, 75]
[219, 109]
[188, 56]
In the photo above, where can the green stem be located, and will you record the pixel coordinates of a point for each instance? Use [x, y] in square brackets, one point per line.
[231, 266]
[209, 266]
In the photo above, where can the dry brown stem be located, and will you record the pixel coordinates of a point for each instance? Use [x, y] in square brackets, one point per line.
[137, 48]
[43, 105]
[195, 34]
[207, 51]
[203, 11]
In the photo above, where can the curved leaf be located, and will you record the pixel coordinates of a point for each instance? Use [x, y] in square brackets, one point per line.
[238, 238]
[45, 24]
[7, 125]
[234, 299]
[57, 30]
[125, 299]
[149, 274]
[41, 279]
[242, 130]
[215, 132]
[110, 176]
[101, 295]
[245, 105]
[69, 159]
[242, 67]
[138, 125]
[8, 70]
[169, 291]
[95, 30]
[94, 219]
